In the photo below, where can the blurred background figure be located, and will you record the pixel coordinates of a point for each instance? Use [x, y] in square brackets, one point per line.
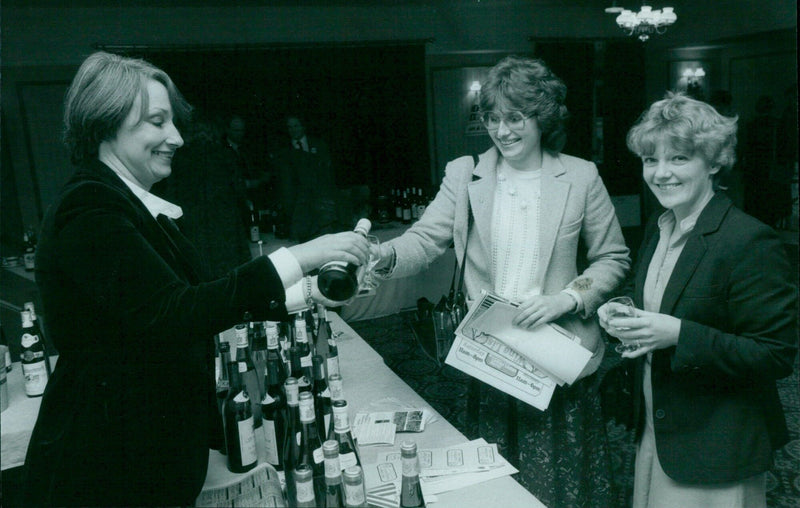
[252, 172]
[211, 192]
[767, 188]
[307, 189]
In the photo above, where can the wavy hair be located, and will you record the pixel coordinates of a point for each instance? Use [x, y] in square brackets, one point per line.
[690, 126]
[529, 86]
[102, 95]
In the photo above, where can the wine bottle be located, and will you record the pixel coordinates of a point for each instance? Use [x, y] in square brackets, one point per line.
[255, 231]
[327, 343]
[301, 341]
[240, 439]
[398, 205]
[4, 341]
[29, 256]
[320, 335]
[311, 444]
[355, 495]
[297, 372]
[284, 334]
[273, 406]
[334, 495]
[335, 386]
[223, 380]
[406, 208]
[348, 451]
[247, 371]
[257, 337]
[322, 397]
[291, 442]
[311, 328]
[34, 367]
[38, 331]
[422, 204]
[304, 485]
[339, 281]
[410, 490]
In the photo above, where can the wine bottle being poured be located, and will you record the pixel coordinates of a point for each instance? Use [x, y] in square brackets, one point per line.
[339, 281]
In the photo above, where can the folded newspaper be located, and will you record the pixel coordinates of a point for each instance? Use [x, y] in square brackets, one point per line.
[527, 364]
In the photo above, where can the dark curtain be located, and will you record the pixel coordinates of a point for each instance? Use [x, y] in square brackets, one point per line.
[612, 74]
[367, 102]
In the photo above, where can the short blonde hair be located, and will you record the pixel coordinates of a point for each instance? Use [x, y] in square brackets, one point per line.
[102, 95]
[688, 125]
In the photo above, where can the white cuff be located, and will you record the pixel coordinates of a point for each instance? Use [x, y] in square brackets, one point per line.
[296, 295]
[577, 297]
[287, 267]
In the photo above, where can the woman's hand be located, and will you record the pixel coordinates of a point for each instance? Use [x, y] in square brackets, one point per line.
[648, 330]
[347, 246]
[540, 309]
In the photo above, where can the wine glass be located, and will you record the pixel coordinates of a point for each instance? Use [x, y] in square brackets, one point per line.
[621, 306]
[370, 282]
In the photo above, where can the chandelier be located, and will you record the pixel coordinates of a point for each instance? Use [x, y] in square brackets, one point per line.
[644, 23]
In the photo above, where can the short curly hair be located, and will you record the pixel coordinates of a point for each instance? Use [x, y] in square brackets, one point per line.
[102, 95]
[529, 86]
[688, 125]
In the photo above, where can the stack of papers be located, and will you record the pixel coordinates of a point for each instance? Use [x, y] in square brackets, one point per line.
[525, 363]
[441, 469]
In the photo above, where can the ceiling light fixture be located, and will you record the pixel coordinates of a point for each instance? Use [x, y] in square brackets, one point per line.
[646, 22]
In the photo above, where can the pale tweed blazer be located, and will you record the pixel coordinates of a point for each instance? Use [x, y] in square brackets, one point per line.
[574, 206]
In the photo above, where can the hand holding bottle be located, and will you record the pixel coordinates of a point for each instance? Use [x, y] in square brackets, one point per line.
[347, 246]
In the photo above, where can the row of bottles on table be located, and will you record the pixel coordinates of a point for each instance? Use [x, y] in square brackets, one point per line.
[273, 219]
[409, 204]
[34, 355]
[257, 371]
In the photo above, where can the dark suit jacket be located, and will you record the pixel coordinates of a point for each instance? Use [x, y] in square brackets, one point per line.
[308, 189]
[129, 414]
[716, 409]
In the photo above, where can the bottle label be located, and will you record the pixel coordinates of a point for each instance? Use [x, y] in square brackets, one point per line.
[307, 411]
[271, 439]
[29, 340]
[242, 366]
[306, 361]
[319, 457]
[305, 491]
[241, 397]
[410, 466]
[326, 393]
[35, 375]
[247, 441]
[340, 419]
[255, 234]
[327, 418]
[354, 494]
[332, 468]
[333, 365]
[347, 460]
[336, 390]
[300, 331]
[267, 400]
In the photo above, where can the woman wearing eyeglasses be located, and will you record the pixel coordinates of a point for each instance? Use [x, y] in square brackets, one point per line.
[532, 205]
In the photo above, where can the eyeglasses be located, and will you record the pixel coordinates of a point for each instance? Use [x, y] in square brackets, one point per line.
[514, 120]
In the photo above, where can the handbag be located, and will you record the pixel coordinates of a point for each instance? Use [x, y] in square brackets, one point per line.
[436, 324]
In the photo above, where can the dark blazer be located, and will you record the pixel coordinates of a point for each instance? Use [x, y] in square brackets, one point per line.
[129, 414]
[308, 189]
[716, 409]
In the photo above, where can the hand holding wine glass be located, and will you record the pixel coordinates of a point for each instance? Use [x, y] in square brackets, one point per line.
[621, 306]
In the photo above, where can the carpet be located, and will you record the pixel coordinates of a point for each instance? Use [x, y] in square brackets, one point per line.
[445, 389]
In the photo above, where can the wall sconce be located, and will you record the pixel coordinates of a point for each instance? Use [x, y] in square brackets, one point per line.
[475, 87]
[693, 76]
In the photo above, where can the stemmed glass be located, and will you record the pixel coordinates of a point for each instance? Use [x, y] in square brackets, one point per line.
[622, 306]
[370, 282]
